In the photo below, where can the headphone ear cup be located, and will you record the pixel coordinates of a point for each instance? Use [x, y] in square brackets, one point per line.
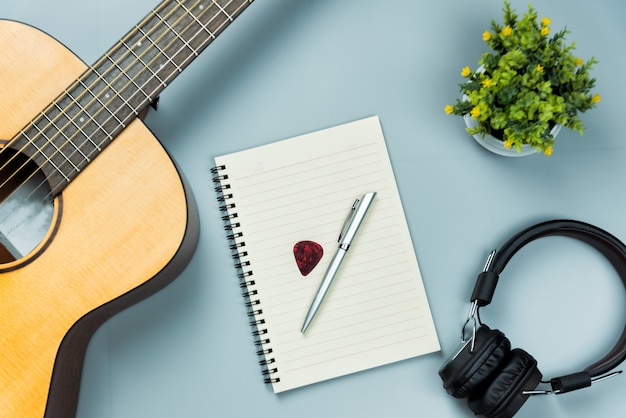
[468, 370]
[503, 397]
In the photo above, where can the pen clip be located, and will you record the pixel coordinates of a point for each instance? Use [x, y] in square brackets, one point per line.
[348, 221]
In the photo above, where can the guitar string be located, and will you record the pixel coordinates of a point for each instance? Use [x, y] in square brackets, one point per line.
[195, 51]
[37, 170]
[171, 28]
[73, 102]
[76, 101]
[132, 80]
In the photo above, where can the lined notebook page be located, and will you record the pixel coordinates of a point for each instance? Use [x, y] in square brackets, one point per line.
[376, 311]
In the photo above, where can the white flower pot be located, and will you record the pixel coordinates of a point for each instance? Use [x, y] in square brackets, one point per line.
[496, 146]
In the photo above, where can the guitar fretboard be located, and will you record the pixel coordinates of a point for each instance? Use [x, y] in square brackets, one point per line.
[83, 120]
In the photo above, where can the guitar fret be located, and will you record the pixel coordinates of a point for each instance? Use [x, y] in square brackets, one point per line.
[130, 79]
[90, 119]
[218, 25]
[147, 79]
[182, 25]
[74, 135]
[145, 65]
[190, 35]
[178, 36]
[222, 10]
[84, 116]
[102, 104]
[68, 132]
[75, 125]
[57, 150]
[109, 99]
[41, 153]
[64, 155]
[161, 52]
[195, 18]
[204, 27]
[116, 102]
[68, 141]
[71, 124]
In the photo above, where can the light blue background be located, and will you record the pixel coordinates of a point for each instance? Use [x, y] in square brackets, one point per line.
[288, 67]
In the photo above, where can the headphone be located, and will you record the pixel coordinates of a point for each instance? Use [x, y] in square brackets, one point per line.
[496, 379]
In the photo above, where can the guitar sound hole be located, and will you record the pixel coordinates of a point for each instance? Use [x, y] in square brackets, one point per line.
[26, 206]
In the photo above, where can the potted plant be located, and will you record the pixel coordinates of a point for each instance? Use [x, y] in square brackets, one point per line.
[527, 86]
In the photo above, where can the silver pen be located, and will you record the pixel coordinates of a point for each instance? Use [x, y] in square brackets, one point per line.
[348, 232]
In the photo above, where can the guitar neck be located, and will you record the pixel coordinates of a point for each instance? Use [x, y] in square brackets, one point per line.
[79, 124]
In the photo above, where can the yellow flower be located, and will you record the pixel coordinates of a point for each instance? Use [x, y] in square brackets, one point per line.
[487, 83]
[448, 109]
[465, 72]
[545, 31]
[539, 68]
[508, 144]
[475, 112]
[507, 31]
[548, 151]
[579, 61]
[486, 36]
[595, 98]
[545, 21]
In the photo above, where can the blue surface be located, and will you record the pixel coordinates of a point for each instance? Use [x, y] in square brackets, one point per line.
[288, 67]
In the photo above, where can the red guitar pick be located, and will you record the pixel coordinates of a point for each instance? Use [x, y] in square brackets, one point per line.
[307, 254]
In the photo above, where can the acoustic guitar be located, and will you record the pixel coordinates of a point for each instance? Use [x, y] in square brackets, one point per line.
[94, 215]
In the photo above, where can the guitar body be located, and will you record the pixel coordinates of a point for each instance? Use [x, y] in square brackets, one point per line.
[122, 230]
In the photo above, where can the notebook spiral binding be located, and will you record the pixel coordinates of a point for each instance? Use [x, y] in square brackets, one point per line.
[246, 281]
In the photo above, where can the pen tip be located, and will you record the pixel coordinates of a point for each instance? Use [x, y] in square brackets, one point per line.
[305, 326]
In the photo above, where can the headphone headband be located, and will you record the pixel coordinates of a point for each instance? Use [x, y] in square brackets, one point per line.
[608, 245]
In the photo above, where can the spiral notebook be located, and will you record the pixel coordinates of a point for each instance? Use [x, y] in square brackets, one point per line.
[301, 189]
